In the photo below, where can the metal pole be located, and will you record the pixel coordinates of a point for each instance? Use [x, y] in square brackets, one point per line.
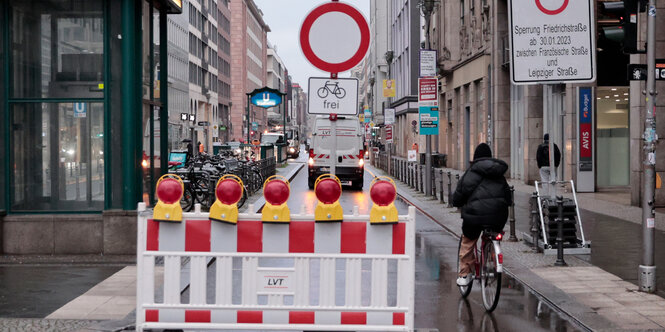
[450, 193]
[441, 192]
[559, 234]
[511, 211]
[248, 124]
[647, 270]
[534, 221]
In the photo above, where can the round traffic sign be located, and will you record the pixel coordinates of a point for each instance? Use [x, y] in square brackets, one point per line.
[334, 37]
[552, 11]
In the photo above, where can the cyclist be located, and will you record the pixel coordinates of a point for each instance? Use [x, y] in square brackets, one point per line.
[484, 196]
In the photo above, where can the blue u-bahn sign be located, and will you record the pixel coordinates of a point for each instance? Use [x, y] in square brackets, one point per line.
[265, 97]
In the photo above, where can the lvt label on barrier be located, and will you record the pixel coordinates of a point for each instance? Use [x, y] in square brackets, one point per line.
[276, 281]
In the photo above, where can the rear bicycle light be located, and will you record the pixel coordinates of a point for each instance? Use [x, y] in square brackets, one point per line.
[500, 258]
[499, 237]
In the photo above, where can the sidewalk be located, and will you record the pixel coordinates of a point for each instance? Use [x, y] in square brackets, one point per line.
[587, 294]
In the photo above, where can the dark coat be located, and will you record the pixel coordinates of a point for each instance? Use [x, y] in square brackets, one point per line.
[543, 155]
[483, 193]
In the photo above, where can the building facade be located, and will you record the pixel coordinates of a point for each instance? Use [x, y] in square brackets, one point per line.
[224, 125]
[249, 50]
[405, 38]
[276, 79]
[203, 70]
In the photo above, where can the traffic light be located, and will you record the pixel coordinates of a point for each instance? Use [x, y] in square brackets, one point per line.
[617, 22]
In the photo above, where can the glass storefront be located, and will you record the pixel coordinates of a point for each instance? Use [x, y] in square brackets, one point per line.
[56, 105]
[58, 156]
[612, 137]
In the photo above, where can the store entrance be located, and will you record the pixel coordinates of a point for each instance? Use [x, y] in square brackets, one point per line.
[612, 138]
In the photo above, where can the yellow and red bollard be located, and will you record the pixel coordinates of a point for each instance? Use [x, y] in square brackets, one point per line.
[276, 190]
[383, 194]
[170, 189]
[228, 191]
[328, 190]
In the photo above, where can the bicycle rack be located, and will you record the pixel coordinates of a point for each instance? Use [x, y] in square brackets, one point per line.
[549, 248]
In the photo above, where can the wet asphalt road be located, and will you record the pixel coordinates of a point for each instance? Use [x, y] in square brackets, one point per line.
[35, 291]
[438, 302]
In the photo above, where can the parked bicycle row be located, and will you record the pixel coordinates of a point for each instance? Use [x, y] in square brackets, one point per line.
[201, 173]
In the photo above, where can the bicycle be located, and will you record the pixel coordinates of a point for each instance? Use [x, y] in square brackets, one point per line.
[488, 268]
[338, 92]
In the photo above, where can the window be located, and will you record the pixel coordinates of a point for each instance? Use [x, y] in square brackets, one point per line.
[461, 13]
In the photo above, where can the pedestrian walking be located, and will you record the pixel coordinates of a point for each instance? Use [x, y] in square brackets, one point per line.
[484, 196]
[547, 175]
[200, 147]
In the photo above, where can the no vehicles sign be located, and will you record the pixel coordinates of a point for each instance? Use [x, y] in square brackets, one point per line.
[552, 41]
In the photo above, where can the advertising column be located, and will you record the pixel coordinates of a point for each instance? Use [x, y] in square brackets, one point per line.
[585, 166]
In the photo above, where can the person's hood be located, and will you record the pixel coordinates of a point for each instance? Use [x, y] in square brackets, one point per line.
[489, 167]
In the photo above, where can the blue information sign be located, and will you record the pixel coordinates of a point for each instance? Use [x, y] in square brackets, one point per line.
[429, 120]
[266, 99]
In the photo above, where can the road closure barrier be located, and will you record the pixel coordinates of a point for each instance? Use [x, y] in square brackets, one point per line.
[301, 274]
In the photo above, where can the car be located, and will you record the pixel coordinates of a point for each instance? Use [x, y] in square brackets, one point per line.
[348, 155]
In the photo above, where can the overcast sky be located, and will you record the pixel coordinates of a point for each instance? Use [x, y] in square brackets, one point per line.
[284, 18]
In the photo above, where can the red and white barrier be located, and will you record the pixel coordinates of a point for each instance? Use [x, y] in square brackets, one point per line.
[302, 275]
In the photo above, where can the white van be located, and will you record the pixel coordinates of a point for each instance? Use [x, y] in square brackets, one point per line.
[349, 157]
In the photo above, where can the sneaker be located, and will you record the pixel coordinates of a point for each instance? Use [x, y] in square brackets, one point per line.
[464, 281]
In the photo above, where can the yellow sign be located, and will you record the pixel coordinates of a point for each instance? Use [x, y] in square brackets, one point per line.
[361, 117]
[389, 88]
[659, 181]
[371, 124]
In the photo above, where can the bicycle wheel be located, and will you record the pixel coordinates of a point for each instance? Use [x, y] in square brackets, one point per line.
[464, 290]
[257, 180]
[490, 279]
[243, 198]
[322, 92]
[340, 93]
[187, 200]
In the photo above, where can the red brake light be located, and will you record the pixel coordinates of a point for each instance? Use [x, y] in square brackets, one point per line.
[499, 237]
[311, 153]
[361, 154]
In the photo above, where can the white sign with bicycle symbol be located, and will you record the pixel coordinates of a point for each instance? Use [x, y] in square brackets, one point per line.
[333, 96]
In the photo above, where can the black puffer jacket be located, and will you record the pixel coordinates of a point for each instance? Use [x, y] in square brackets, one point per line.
[483, 193]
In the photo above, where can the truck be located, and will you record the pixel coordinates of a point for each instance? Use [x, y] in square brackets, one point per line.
[348, 155]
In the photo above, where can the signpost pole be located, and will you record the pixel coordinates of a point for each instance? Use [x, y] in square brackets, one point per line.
[647, 270]
[248, 125]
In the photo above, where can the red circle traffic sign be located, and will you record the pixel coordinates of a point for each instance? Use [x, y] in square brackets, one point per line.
[552, 11]
[316, 59]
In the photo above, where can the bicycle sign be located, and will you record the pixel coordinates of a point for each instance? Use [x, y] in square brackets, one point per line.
[331, 87]
[333, 96]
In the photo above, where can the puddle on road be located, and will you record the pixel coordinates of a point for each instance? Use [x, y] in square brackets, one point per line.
[440, 305]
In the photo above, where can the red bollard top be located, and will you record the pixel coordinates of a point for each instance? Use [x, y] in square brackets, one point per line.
[328, 191]
[229, 191]
[169, 191]
[276, 192]
[383, 193]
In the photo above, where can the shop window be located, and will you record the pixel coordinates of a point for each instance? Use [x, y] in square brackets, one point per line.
[57, 156]
[57, 49]
[612, 137]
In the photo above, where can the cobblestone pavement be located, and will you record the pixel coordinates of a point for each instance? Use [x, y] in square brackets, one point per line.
[29, 325]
